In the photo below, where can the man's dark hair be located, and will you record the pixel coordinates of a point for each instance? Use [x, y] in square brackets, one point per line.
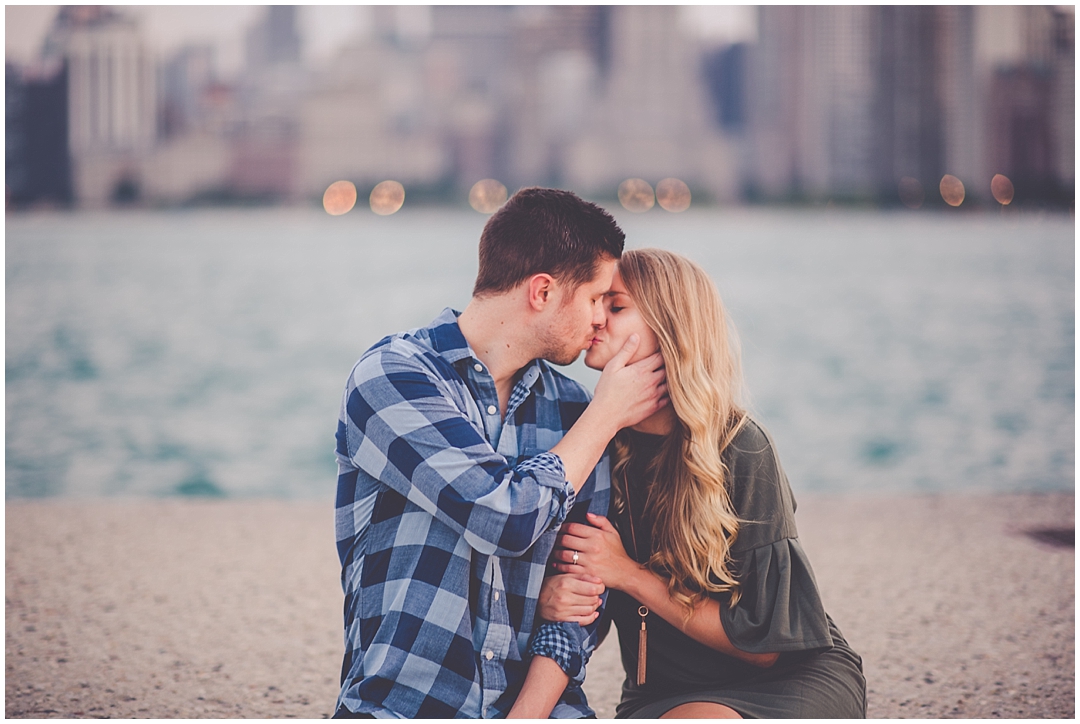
[545, 231]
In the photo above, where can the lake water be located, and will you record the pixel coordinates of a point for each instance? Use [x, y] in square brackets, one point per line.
[205, 352]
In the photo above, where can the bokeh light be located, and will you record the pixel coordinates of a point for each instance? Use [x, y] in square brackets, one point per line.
[636, 195]
[1002, 189]
[387, 197]
[487, 195]
[952, 190]
[339, 198]
[673, 195]
[911, 192]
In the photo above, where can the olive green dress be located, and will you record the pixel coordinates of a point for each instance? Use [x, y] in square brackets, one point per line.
[817, 675]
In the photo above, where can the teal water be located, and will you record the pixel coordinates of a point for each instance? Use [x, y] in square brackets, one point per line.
[203, 353]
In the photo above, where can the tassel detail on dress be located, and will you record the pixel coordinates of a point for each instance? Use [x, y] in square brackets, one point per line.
[642, 646]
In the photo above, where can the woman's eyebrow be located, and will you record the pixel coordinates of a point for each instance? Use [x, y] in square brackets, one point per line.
[612, 293]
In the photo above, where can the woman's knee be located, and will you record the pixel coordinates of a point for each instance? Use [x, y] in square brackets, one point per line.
[701, 710]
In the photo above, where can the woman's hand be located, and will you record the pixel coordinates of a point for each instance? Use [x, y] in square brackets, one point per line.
[599, 551]
[570, 597]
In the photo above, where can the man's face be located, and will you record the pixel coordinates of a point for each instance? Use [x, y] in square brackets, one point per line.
[575, 317]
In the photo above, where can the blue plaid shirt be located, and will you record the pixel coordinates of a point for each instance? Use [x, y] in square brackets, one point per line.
[446, 516]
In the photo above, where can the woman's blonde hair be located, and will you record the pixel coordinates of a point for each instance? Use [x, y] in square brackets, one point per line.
[695, 524]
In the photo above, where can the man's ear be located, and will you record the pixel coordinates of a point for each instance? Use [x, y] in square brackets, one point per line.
[540, 289]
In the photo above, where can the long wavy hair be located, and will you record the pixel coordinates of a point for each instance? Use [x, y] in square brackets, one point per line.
[694, 522]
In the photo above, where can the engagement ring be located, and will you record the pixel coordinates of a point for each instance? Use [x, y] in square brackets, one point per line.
[574, 559]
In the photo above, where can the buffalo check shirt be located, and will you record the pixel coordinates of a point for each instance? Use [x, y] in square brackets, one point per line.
[446, 515]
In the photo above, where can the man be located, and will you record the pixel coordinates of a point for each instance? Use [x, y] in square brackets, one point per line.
[460, 453]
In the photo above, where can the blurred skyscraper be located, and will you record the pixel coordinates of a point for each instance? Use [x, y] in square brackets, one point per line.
[469, 48]
[266, 143]
[197, 115]
[810, 101]
[1031, 105]
[111, 100]
[562, 58]
[370, 115]
[274, 40]
[183, 79]
[38, 160]
[650, 115]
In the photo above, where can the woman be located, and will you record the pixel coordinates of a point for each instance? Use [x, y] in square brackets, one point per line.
[715, 602]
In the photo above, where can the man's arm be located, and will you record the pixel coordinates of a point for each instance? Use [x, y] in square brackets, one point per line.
[404, 428]
[566, 644]
[544, 685]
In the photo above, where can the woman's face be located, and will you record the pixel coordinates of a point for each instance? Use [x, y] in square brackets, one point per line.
[622, 319]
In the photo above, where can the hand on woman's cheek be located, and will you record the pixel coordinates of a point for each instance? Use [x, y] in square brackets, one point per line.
[645, 350]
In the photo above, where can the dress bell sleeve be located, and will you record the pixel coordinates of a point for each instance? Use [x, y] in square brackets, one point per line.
[780, 608]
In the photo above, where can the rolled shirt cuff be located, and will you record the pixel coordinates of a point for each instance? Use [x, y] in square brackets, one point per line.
[553, 642]
[549, 471]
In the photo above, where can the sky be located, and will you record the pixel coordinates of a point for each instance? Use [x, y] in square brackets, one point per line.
[323, 28]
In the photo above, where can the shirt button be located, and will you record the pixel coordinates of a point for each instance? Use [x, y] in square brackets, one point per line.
[478, 367]
[492, 409]
[489, 655]
[496, 595]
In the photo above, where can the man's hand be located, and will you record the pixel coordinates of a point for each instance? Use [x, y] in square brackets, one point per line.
[628, 393]
[625, 395]
[570, 598]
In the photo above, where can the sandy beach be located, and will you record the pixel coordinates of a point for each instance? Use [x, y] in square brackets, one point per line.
[233, 608]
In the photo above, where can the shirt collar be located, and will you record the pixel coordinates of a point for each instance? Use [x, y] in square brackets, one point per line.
[446, 339]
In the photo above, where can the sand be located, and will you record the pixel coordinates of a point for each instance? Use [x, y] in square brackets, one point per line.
[233, 608]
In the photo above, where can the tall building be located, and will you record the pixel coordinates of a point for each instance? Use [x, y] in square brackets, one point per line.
[265, 144]
[908, 123]
[1030, 113]
[560, 61]
[185, 78]
[196, 117]
[274, 39]
[810, 103]
[774, 104]
[650, 117]
[37, 158]
[844, 60]
[112, 118]
[1063, 99]
[725, 76]
[469, 51]
[365, 118]
[962, 99]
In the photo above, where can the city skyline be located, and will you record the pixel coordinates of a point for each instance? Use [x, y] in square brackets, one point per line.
[805, 104]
